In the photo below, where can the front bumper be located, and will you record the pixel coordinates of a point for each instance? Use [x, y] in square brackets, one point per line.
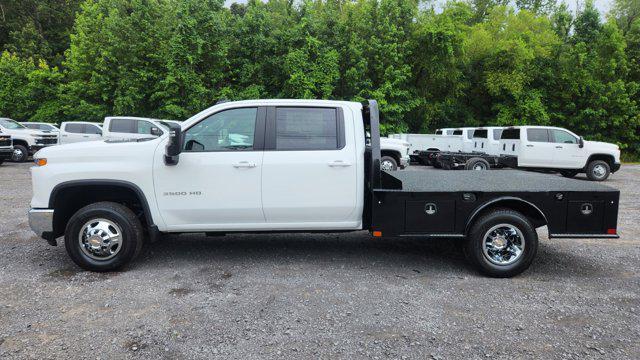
[6, 153]
[41, 222]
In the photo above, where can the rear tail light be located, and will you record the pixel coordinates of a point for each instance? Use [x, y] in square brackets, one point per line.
[611, 231]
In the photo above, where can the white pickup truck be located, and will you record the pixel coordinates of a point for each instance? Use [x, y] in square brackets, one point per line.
[25, 141]
[6, 147]
[548, 148]
[395, 154]
[42, 126]
[118, 128]
[79, 131]
[292, 166]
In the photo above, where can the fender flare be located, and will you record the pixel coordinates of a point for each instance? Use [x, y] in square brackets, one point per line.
[489, 203]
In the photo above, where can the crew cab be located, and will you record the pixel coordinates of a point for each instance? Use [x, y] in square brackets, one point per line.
[42, 126]
[80, 131]
[6, 147]
[25, 141]
[128, 127]
[295, 166]
[549, 148]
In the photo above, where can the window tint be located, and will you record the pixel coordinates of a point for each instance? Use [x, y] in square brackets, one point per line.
[122, 126]
[561, 136]
[480, 133]
[92, 129]
[229, 130]
[74, 128]
[306, 129]
[144, 127]
[510, 134]
[497, 133]
[538, 135]
[454, 132]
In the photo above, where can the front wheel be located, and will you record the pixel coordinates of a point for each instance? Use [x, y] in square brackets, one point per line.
[103, 236]
[388, 163]
[20, 153]
[598, 170]
[502, 243]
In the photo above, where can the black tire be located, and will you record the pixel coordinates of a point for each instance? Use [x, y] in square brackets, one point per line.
[481, 228]
[477, 164]
[598, 170]
[569, 173]
[22, 151]
[131, 236]
[393, 163]
[437, 164]
[1, 161]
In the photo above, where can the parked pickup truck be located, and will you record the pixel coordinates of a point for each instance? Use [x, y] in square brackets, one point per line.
[295, 166]
[79, 131]
[395, 154]
[25, 141]
[6, 147]
[546, 148]
[118, 128]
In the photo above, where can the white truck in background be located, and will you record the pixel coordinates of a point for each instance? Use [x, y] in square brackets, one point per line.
[546, 148]
[42, 126]
[120, 128]
[395, 154]
[79, 131]
[25, 141]
[6, 147]
[487, 140]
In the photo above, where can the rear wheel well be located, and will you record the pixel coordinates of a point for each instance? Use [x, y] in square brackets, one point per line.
[530, 211]
[20, 142]
[68, 200]
[604, 157]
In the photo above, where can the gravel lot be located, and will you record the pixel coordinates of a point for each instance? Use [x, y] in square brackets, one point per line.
[317, 296]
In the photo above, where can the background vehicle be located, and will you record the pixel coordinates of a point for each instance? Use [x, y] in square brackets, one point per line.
[25, 141]
[126, 127]
[6, 147]
[46, 127]
[395, 154]
[487, 140]
[79, 131]
[485, 154]
[431, 143]
[556, 149]
[295, 165]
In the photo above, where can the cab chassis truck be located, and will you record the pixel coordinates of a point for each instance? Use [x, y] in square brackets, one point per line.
[105, 220]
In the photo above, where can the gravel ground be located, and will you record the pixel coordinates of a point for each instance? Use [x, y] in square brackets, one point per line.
[317, 296]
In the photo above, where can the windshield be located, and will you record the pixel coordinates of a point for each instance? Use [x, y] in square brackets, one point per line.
[10, 124]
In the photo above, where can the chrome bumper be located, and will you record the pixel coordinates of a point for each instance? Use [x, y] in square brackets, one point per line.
[41, 221]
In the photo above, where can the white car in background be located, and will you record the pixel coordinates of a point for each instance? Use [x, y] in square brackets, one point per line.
[42, 126]
[25, 141]
[79, 131]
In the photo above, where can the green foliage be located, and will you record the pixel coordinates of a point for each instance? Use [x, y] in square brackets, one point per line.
[471, 63]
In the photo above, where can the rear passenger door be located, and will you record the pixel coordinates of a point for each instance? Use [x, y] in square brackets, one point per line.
[71, 133]
[538, 150]
[309, 175]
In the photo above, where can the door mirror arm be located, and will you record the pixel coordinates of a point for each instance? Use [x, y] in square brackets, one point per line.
[174, 146]
[581, 142]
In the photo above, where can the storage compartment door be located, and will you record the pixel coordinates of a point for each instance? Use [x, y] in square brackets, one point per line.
[585, 217]
[424, 216]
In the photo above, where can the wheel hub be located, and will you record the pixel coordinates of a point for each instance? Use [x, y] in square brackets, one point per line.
[599, 170]
[100, 239]
[386, 165]
[503, 244]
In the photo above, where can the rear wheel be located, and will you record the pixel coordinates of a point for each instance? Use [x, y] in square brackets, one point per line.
[477, 164]
[103, 236]
[598, 170]
[388, 163]
[20, 153]
[502, 243]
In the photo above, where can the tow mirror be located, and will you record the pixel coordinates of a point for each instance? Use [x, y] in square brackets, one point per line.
[581, 142]
[174, 146]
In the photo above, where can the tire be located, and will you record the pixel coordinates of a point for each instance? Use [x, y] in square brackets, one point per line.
[105, 214]
[1, 161]
[20, 153]
[569, 173]
[500, 222]
[389, 162]
[445, 166]
[598, 170]
[477, 164]
[437, 164]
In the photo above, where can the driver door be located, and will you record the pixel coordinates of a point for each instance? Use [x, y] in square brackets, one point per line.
[216, 184]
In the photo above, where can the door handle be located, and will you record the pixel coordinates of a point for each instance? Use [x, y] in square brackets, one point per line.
[63, 135]
[529, 145]
[85, 135]
[559, 147]
[339, 163]
[244, 164]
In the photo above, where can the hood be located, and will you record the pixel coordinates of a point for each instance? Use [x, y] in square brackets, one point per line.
[394, 141]
[90, 150]
[602, 145]
[34, 132]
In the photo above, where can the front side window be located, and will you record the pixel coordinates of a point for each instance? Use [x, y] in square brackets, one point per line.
[306, 128]
[455, 132]
[144, 127]
[510, 134]
[74, 128]
[10, 124]
[92, 129]
[563, 137]
[538, 135]
[32, 126]
[229, 130]
[482, 134]
[438, 132]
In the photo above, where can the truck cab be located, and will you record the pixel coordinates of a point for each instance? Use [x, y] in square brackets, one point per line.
[80, 131]
[487, 140]
[120, 128]
[290, 166]
[557, 149]
[25, 141]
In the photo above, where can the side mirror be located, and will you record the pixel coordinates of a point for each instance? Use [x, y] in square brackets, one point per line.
[581, 142]
[155, 131]
[100, 132]
[174, 146]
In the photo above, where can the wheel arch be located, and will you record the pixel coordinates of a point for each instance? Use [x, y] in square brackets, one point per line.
[393, 153]
[526, 208]
[608, 158]
[20, 142]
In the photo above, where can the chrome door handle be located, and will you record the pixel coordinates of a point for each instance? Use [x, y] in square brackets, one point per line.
[244, 164]
[529, 145]
[339, 163]
[559, 147]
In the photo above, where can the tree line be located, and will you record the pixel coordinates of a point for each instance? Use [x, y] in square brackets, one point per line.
[466, 63]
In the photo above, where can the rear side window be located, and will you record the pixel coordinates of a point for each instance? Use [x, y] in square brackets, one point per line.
[122, 126]
[497, 133]
[538, 135]
[300, 128]
[480, 134]
[454, 132]
[74, 128]
[510, 134]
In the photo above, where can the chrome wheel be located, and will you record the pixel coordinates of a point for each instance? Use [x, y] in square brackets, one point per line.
[100, 239]
[479, 166]
[386, 165]
[17, 154]
[599, 171]
[503, 244]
